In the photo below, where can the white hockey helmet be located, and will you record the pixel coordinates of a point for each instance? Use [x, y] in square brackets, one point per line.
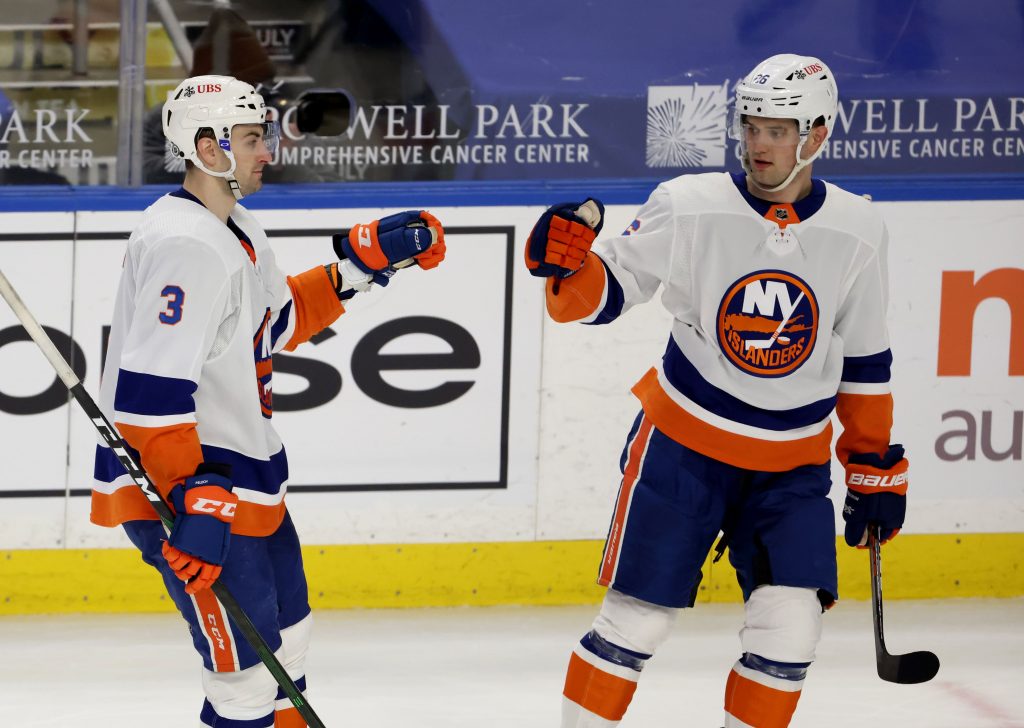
[786, 86]
[216, 103]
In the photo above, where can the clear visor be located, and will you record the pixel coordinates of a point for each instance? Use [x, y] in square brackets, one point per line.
[271, 136]
[253, 137]
[765, 132]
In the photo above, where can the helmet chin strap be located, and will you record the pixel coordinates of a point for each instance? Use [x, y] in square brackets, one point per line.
[228, 176]
[800, 164]
[235, 189]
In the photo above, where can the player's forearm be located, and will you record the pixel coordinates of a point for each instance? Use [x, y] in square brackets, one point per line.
[867, 424]
[169, 454]
[315, 305]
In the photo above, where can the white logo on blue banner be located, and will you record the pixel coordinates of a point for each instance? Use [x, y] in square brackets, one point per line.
[686, 125]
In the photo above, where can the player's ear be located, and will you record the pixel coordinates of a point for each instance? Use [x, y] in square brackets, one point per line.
[207, 148]
[819, 132]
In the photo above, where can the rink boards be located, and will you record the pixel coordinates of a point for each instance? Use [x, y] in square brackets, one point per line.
[450, 445]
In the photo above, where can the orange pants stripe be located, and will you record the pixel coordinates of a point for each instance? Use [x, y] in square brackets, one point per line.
[217, 632]
[629, 477]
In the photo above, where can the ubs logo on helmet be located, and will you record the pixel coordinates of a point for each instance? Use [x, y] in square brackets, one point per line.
[208, 88]
[767, 323]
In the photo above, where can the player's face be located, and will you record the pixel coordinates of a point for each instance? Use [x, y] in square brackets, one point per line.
[771, 148]
[252, 154]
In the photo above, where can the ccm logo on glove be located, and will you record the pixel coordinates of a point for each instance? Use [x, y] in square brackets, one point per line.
[213, 507]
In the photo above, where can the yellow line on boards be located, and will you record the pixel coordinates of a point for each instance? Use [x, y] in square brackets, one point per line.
[481, 574]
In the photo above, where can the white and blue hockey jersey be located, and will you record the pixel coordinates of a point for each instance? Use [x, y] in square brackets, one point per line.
[200, 309]
[779, 318]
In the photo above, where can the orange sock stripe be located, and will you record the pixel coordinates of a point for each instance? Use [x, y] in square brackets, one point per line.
[288, 718]
[602, 694]
[629, 478]
[758, 705]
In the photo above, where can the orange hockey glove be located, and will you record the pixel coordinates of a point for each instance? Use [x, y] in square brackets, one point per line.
[562, 237]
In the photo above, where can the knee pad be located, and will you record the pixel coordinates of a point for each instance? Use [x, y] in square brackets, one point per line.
[295, 645]
[250, 694]
[783, 623]
[244, 695]
[634, 624]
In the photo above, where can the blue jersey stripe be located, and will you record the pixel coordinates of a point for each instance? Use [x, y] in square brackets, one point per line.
[685, 378]
[613, 301]
[873, 368]
[106, 467]
[265, 476]
[149, 394]
[283, 317]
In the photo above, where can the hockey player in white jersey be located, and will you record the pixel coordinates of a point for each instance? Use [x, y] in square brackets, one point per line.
[200, 310]
[777, 285]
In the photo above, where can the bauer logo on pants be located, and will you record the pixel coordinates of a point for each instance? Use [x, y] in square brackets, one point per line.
[767, 323]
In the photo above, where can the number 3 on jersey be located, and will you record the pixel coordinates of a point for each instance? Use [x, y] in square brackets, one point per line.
[175, 300]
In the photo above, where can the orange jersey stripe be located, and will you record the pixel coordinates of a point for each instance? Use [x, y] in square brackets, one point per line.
[740, 450]
[599, 692]
[128, 503]
[758, 705]
[217, 632]
[253, 519]
[169, 454]
[125, 504]
[315, 305]
[867, 424]
[579, 295]
[629, 477]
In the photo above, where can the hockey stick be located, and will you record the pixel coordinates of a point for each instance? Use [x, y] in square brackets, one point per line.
[908, 669]
[110, 435]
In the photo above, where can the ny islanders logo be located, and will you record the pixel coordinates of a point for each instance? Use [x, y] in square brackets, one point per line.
[263, 355]
[767, 323]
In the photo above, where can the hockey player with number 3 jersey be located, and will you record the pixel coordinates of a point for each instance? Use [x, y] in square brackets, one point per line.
[200, 310]
[778, 287]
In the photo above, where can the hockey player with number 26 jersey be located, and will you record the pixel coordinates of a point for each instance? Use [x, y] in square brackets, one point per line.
[778, 287]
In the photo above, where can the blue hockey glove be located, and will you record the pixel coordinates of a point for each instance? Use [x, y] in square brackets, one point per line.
[199, 540]
[376, 248]
[876, 493]
[561, 239]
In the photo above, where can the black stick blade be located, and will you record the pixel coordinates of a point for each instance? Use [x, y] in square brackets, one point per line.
[909, 669]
